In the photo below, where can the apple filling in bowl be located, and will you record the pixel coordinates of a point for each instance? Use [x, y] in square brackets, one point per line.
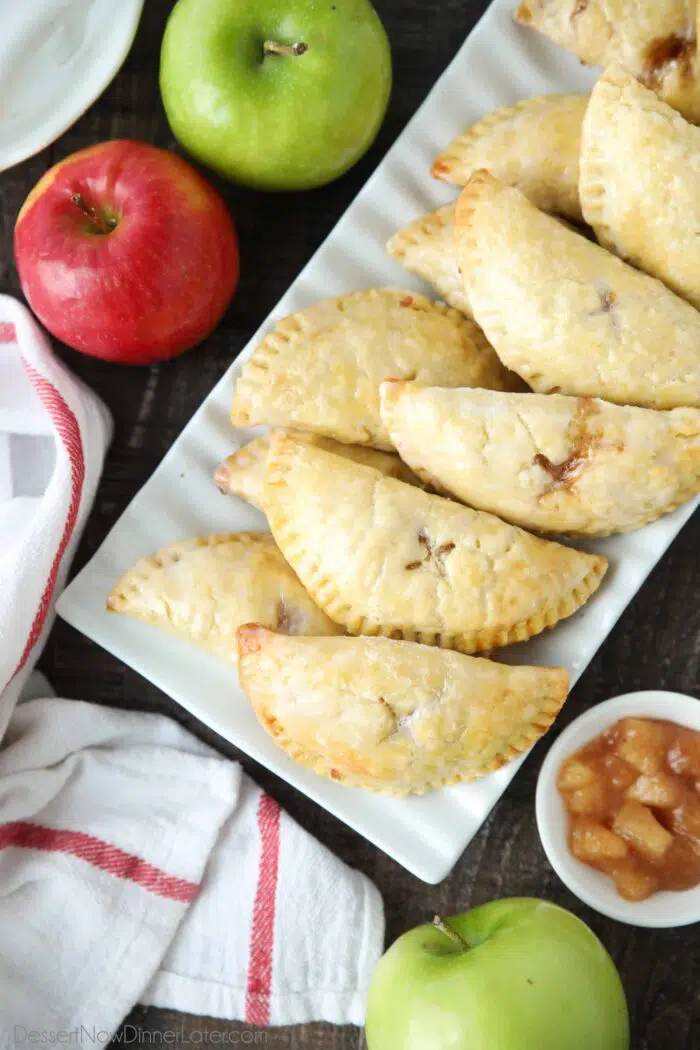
[632, 796]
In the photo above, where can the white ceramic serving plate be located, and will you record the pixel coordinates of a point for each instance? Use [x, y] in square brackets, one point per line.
[56, 58]
[661, 910]
[499, 64]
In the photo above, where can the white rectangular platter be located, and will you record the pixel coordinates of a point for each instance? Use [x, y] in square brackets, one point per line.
[499, 64]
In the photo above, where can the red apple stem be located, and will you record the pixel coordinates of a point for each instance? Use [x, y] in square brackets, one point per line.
[103, 225]
[270, 47]
[449, 931]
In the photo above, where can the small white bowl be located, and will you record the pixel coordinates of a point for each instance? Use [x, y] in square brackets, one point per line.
[593, 887]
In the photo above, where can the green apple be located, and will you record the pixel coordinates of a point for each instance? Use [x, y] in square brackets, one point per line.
[517, 974]
[276, 94]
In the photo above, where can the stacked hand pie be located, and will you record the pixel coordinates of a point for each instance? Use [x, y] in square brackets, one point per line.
[425, 453]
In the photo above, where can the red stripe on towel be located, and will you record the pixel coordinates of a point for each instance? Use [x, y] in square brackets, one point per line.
[262, 936]
[68, 430]
[24, 835]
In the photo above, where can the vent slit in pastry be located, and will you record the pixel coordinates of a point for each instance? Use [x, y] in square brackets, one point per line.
[548, 462]
[640, 163]
[381, 557]
[567, 315]
[320, 370]
[533, 145]
[202, 589]
[394, 716]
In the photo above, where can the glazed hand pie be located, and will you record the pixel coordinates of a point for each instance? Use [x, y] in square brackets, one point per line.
[381, 557]
[533, 145]
[640, 173]
[655, 39]
[320, 370]
[202, 589]
[567, 315]
[548, 462]
[426, 247]
[244, 473]
[392, 716]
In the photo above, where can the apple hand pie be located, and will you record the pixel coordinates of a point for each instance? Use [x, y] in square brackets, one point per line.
[640, 163]
[426, 247]
[548, 462]
[381, 557]
[655, 39]
[244, 473]
[567, 315]
[533, 145]
[204, 588]
[320, 370]
[393, 716]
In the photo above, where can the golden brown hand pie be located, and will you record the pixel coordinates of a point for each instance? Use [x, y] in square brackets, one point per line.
[204, 588]
[567, 315]
[533, 145]
[394, 716]
[320, 370]
[640, 181]
[548, 462]
[244, 473]
[381, 557]
[426, 247]
[655, 39]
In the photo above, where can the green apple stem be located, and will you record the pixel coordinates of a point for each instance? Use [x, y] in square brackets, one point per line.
[449, 931]
[270, 47]
[103, 225]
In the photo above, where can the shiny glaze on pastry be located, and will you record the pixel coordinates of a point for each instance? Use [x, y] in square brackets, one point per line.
[244, 473]
[655, 39]
[381, 557]
[640, 180]
[394, 716]
[202, 589]
[533, 145]
[320, 370]
[567, 315]
[548, 462]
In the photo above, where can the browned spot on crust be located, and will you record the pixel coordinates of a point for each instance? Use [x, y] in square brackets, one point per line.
[608, 299]
[584, 439]
[664, 51]
[440, 168]
[413, 565]
[554, 390]
[523, 14]
[406, 301]
[335, 775]
[579, 7]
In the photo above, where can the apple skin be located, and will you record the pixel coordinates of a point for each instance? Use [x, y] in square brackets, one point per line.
[534, 978]
[275, 122]
[150, 288]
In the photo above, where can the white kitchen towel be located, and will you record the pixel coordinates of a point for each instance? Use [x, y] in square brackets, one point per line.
[53, 436]
[136, 864]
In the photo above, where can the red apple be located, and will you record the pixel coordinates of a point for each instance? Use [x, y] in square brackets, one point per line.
[125, 252]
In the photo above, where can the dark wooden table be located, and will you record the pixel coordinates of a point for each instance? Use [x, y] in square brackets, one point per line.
[655, 644]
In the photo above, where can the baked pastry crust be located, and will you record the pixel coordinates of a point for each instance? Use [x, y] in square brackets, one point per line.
[640, 172]
[655, 39]
[393, 716]
[533, 145]
[202, 589]
[244, 473]
[548, 462]
[426, 247]
[567, 315]
[381, 557]
[320, 370]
